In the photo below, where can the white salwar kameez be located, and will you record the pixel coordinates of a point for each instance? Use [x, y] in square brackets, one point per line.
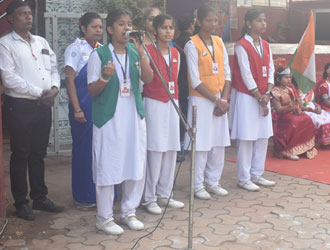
[212, 131]
[119, 148]
[163, 142]
[247, 123]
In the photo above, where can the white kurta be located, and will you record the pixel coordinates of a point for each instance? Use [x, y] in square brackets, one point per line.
[119, 146]
[246, 115]
[318, 119]
[212, 131]
[163, 123]
[246, 118]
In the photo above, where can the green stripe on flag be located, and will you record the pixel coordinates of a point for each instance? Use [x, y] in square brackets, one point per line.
[292, 58]
[304, 83]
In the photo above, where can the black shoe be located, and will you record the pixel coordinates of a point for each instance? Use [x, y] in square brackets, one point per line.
[180, 158]
[25, 212]
[47, 205]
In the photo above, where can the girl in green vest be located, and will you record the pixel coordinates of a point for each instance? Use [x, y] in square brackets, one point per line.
[119, 129]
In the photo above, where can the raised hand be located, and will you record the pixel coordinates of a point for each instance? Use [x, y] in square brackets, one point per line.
[109, 70]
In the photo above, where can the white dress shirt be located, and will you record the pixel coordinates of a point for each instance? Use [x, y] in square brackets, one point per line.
[27, 69]
[244, 64]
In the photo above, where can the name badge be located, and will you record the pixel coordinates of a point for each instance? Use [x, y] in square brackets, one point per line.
[125, 90]
[264, 71]
[215, 68]
[171, 87]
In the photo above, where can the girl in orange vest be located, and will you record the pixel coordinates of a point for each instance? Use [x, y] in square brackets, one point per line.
[250, 119]
[163, 132]
[209, 87]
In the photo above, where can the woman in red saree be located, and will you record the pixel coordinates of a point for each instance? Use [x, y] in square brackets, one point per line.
[293, 130]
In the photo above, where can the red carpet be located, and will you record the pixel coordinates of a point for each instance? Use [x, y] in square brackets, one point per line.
[317, 169]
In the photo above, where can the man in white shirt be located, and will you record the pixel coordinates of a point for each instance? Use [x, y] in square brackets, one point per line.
[31, 82]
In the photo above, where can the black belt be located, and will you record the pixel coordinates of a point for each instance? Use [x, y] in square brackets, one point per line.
[21, 100]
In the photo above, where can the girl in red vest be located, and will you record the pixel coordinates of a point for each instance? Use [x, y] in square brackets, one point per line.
[323, 90]
[250, 119]
[163, 133]
[209, 87]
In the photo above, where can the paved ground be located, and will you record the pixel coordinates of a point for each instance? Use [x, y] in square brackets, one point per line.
[295, 214]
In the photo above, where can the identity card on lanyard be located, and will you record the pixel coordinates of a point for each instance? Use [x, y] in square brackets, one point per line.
[264, 68]
[125, 89]
[171, 85]
[215, 66]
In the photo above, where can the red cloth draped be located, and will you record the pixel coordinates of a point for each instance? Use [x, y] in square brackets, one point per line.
[291, 130]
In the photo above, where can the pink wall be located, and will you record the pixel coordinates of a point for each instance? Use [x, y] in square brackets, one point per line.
[273, 15]
[292, 20]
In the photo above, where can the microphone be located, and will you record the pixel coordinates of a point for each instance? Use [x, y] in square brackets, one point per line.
[134, 33]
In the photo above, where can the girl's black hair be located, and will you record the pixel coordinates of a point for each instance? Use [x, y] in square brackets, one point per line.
[185, 21]
[250, 15]
[326, 67]
[159, 21]
[278, 76]
[86, 19]
[114, 16]
[203, 12]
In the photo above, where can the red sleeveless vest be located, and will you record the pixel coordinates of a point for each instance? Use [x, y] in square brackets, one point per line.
[155, 88]
[256, 64]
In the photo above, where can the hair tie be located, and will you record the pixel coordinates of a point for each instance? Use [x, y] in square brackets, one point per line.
[79, 23]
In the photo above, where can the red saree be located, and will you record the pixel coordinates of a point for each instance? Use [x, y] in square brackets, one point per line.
[293, 133]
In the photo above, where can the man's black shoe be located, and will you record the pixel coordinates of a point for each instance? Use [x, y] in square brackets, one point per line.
[25, 212]
[180, 157]
[47, 205]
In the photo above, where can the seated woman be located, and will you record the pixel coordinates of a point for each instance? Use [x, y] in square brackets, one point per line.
[293, 130]
[320, 118]
[323, 90]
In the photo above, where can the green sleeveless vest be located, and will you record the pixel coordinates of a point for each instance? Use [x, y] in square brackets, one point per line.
[104, 105]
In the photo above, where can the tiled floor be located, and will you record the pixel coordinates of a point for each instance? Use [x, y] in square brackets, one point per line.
[295, 214]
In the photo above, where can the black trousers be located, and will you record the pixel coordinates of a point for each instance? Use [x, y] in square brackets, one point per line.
[29, 123]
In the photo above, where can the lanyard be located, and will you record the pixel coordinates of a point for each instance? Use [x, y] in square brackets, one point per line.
[212, 54]
[261, 51]
[121, 66]
[168, 68]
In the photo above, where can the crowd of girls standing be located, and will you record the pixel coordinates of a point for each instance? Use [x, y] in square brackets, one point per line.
[128, 135]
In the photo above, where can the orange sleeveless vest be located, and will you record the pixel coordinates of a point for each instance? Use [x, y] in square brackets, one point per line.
[214, 82]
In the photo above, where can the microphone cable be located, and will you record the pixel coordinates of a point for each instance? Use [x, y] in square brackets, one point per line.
[168, 201]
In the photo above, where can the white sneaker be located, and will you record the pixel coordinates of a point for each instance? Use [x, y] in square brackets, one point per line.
[202, 194]
[132, 222]
[217, 190]
[293, 157]
[172, 203]
[153, 208]
[109, 227]
[263, 182]
[249, 186]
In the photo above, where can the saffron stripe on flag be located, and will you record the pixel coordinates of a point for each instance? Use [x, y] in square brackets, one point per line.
[306, 48]
[302, 63]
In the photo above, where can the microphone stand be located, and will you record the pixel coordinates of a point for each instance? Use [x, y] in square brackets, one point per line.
[192, 134]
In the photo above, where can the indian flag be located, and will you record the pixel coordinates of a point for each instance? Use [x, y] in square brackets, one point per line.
[302, 63]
